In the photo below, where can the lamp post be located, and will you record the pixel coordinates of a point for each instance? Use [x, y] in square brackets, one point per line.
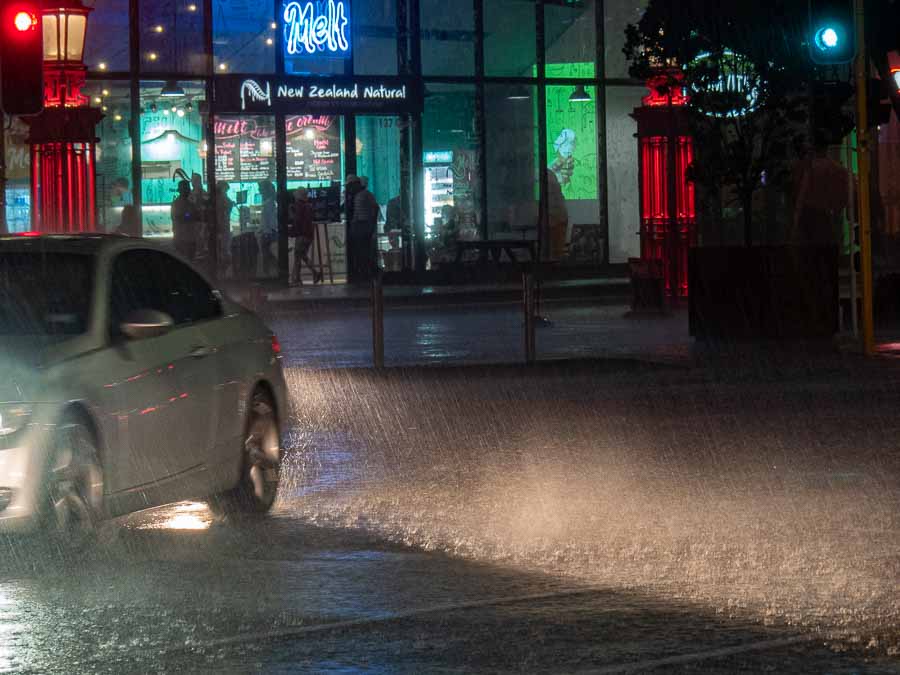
[63, 136]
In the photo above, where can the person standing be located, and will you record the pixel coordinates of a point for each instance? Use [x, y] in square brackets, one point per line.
[130, 226]
[223, 206]
[268, 226]
[303, 229]
[363, 230]
[351, 187]
[184, 222]
[200, 210]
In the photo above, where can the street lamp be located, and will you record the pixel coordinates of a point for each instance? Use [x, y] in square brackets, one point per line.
[65, 26]
[63, 137]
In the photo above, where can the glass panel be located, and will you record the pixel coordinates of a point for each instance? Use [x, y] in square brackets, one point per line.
[314, 38]
[375, 38]
[448, 37]
[315, 150]
[244, 36]
[172, 37]
[51, 39]
[622, 158]
[452, 173]
[618, 16]
[115, 199]
[107, 42]
[18, 176]
[378, 163]
[172, 141]
[571, 39]
[575, 231]
[512, 160]
[245, 164]
[75, 38]
[509, 38]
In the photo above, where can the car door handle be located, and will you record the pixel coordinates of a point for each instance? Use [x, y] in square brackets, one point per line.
[201, 351]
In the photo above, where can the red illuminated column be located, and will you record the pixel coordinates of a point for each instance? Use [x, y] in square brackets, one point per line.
[668, 225]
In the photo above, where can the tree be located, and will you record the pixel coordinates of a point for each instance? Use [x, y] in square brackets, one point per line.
[744, 66]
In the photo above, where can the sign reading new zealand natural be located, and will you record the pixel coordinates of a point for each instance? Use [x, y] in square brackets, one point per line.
[303, 95]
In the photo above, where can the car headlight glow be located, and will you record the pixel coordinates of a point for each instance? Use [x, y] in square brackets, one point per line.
[13, 416]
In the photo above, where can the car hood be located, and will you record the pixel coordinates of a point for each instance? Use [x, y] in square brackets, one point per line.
[21, 360]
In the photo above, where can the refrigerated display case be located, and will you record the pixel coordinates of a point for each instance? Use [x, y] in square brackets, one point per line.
[438, 189]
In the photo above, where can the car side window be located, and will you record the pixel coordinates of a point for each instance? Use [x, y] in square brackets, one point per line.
[193, 300]
[137, 283]
[144, 279]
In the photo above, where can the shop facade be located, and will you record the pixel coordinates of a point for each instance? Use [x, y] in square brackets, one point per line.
[469, 119]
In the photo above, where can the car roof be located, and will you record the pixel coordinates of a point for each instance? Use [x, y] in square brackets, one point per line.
[86, 244]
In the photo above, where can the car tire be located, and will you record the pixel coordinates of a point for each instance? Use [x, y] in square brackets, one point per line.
[260, 463]
[72, 506]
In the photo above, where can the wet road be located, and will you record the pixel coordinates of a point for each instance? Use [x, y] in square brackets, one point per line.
[601, 518]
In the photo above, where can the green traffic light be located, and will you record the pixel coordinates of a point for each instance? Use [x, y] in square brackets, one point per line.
[827, 38]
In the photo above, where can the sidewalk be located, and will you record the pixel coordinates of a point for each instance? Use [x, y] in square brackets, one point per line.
[276, 297]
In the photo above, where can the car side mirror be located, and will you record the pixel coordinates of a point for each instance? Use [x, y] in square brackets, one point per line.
[146, 323]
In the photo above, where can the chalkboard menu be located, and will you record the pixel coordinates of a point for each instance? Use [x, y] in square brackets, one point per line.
[245, 149]
[326, 203]
[313, 147]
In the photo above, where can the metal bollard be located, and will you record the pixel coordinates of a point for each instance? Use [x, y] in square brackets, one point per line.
[377, 320]
[529, 307]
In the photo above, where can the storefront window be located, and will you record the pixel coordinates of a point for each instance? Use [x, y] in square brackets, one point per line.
[618, 16]
[575, 221]
[106, 47]
[570, 36]
[622, 158]
[379, 145]
[378, 155]
[512, 160]
[448, 37]
[509, 38]
[375, 38]
[18, 175]
[172, 146]
[451, 171]
[245, 36]
[114, 180]
[172, 38]
[246, 163]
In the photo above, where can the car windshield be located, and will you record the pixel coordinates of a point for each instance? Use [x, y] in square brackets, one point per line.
[44, 293]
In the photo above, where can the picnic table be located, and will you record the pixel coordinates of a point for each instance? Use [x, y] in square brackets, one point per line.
[495, 248]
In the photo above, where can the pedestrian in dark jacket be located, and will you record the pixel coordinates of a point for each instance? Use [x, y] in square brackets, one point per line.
[303, 229]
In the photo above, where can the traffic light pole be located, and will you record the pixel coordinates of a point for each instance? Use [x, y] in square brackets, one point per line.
[863, 194]
[3, 229]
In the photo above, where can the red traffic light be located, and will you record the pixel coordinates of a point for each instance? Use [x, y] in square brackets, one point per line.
[24, 21]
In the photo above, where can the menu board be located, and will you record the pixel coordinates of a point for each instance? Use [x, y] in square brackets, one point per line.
[313, 147]
[326, 203]
[245, 149]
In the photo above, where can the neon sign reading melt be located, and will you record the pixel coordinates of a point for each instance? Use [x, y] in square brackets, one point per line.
[314, 27]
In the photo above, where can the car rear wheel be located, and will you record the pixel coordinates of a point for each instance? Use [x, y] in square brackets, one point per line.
[260, 463]
[73, 504]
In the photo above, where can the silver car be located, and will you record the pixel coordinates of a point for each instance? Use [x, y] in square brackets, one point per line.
[127, 382]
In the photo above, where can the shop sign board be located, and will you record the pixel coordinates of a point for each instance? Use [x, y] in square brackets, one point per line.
[317, 94]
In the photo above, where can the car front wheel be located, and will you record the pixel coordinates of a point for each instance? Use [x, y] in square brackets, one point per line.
[73, 504]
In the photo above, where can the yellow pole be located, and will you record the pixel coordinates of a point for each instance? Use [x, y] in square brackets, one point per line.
[863, 198]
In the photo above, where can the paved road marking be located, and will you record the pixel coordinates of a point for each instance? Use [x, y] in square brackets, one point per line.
[681, 659]
[302, 631]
